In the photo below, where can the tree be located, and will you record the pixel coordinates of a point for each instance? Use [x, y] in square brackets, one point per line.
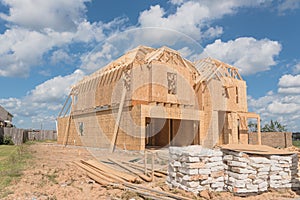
[274, 127]
[252, 127]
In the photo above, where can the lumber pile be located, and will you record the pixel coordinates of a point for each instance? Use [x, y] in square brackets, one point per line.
[129, 178]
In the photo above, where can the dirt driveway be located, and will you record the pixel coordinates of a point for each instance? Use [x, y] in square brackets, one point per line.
[52, 175]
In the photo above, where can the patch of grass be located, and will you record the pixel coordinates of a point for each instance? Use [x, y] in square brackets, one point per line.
[296, 143]
[52, 178]
[13, 160]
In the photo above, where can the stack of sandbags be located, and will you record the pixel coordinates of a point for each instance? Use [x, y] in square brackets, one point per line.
[246, 174]
[283, 172]
[195, 168]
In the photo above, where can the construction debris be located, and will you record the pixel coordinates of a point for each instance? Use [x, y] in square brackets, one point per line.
[111, 176]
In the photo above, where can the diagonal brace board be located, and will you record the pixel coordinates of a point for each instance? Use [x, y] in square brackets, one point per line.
[113, 141]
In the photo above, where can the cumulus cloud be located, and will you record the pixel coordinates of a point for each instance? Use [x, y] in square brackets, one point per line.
[55, 89]
[21, 49]
[283, 106]
[248, 54]
[59, 15]
[60, 56]
[289, 84]
[193, 18]
[43, 102]
[286, 5]
[289, 80]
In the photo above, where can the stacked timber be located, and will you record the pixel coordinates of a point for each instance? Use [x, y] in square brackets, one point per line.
[195, 168]
[111, 176]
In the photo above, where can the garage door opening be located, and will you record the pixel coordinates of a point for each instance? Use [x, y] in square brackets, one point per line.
[162, 132]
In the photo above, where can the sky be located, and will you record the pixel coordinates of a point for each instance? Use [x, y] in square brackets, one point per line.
[47, 46]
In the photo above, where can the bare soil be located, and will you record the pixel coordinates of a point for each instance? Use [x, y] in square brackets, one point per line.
[52, 175]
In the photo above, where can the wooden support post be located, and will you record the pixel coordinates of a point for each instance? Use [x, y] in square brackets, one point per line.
[67, 131]
[113, 141]
[145, 162]
[61, 111]
[69, 106]
[152, 165]
[258, 131]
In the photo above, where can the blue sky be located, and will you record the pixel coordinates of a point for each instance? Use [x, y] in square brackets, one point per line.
[46, 46]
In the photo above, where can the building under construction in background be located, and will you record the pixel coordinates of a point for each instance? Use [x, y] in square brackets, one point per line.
[154, 98]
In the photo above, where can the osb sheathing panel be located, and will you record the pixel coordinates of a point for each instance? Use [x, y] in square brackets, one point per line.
[244, 138]
[98, 130]
[73, 137]
[159, 91]
[206, 115]
[141, 82]
[225, 99]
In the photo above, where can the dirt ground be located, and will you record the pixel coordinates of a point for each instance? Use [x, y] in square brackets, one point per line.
[52, 175]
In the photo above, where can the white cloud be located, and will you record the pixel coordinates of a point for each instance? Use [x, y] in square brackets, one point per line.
[43, 102]
[213, 32]
[21, 49]
[248, 54]
[286, 5]
[60, 56]
[59, 15]
[55, 89]
[193, 18]
[176, 2]
[191, 12]
[289, 80]
[290, 90]
[283, 106]
[289, 84]
[99, 57]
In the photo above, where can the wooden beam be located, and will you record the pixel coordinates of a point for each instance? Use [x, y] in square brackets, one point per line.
[142, 176]
[108, 170]
[258, 130]
[113, 141]
[61, 111]
[67, 131]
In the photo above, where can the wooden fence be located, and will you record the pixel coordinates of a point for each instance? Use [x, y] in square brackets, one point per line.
[20, 136]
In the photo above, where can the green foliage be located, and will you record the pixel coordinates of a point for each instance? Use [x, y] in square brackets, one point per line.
[274, 127]
[252, 127]
[8, 140]
[296, 143]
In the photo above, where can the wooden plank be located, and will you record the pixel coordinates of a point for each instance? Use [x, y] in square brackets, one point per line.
[113, 141]
[61, 111]
[166, 194]
[67, 131]
[107, 174]
[103, 179]
[142, 176]
[106, 169]
[157, 173]
[146, 194]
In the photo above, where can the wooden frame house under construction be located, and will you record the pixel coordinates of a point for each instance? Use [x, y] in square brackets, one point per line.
[154, 98]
